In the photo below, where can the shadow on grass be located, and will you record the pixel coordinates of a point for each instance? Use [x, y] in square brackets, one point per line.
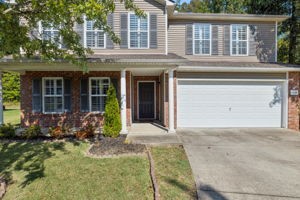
[28, 157]
[186, 189]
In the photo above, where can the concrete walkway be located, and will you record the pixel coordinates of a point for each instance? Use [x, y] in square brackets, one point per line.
[151, 133]
[244, 164]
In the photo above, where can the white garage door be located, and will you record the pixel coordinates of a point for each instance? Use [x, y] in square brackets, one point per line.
[229, 104]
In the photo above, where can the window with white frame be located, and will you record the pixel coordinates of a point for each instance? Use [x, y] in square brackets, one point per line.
[50, 33]
[239, 39]
[98, 93]
[138, 31]
[202, 39]
[53, 95]
[94, 37]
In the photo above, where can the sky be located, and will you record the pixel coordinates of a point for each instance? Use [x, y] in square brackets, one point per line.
[187, 1]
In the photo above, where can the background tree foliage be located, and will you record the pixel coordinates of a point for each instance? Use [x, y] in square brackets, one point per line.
[11, 87]
[21, 18]
[289, 30]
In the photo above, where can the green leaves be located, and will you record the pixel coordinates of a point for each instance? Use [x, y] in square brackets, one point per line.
[19, 27]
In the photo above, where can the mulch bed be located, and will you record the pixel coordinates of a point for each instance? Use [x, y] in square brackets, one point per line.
[115, 146]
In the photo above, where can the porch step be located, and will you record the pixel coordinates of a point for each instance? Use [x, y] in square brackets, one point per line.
[147, 129]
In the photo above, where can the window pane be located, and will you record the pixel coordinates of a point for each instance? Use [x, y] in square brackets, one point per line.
[133, 22]
[59, 87]
[234, 47]
[205, 47]
[89, 25]
[90, 39]
[49, 84]
[197, 46]
[100, 39]
[134, 39]
[144, 40]
[53, 104]
[144, 24]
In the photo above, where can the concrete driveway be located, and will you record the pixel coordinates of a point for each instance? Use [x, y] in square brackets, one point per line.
[245, 164]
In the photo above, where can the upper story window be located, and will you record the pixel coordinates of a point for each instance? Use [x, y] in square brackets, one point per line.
[138, 32]
[50, 33]
[94, 37]
[202, 39]
[53, 95]
[98, 93]
[239, 39]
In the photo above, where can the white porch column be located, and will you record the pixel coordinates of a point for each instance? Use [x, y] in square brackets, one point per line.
[171, 101]
[1, 100]
[123, 102]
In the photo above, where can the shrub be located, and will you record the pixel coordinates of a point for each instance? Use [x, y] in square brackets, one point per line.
[85, 132]
[112, 119]
[33, 131]
[59, 131]
[7, 131]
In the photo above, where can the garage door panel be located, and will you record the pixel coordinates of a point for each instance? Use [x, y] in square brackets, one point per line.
[224, 104]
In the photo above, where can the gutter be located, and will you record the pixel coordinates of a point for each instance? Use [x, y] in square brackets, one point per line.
[236, 69]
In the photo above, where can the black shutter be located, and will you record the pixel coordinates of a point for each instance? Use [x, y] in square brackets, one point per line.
[37, 95]
[226, 50]
[214, 42]
[68, 95]
[153, 31]
[189, 39]
[124, 30]
[110, 23]
[84, 95]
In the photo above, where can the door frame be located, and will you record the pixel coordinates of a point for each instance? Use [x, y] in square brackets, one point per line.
[138, 99]
[283, 83]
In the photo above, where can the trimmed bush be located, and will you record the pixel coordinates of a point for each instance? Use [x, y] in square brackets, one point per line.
[7, 131]
[112, 119]
[33, 131]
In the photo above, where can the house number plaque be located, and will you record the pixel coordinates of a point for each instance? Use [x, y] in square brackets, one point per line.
[294, 92]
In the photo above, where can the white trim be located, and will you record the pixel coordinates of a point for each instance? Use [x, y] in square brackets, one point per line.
[285, 102]
[84, 35]
[171, 102]
[138, 100]
[101, 95]
[41, 30]
[238, 80]
[210, 39]
[43, 94]
[166, 31]
[276, 41]
[247, 48]
[128, 34]
[123, 101]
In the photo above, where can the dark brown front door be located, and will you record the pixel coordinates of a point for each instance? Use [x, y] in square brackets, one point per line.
[146, 100]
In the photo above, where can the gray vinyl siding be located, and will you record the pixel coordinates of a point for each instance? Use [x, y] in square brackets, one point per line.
[150, 7]
[261, 41]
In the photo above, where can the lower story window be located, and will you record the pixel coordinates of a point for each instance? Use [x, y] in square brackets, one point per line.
[53, 95]
[98, 93]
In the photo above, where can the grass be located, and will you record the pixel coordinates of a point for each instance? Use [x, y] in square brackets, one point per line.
[60, 170]
[174, 173]
[12, 114]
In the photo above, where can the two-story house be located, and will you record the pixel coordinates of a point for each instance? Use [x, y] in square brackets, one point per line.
[181, 69]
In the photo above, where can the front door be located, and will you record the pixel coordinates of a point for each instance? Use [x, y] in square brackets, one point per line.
[146, 102]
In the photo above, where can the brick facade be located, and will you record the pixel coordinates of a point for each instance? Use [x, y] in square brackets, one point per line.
[75, 118]
[293, 102]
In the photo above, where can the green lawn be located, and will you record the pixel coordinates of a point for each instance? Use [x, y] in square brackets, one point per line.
[60, 170]
[174, 173]
[12, 114]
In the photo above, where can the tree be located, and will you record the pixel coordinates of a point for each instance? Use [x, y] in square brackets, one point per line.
[213, 6]
[11, 87]
[20, 18]
[112, 118]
